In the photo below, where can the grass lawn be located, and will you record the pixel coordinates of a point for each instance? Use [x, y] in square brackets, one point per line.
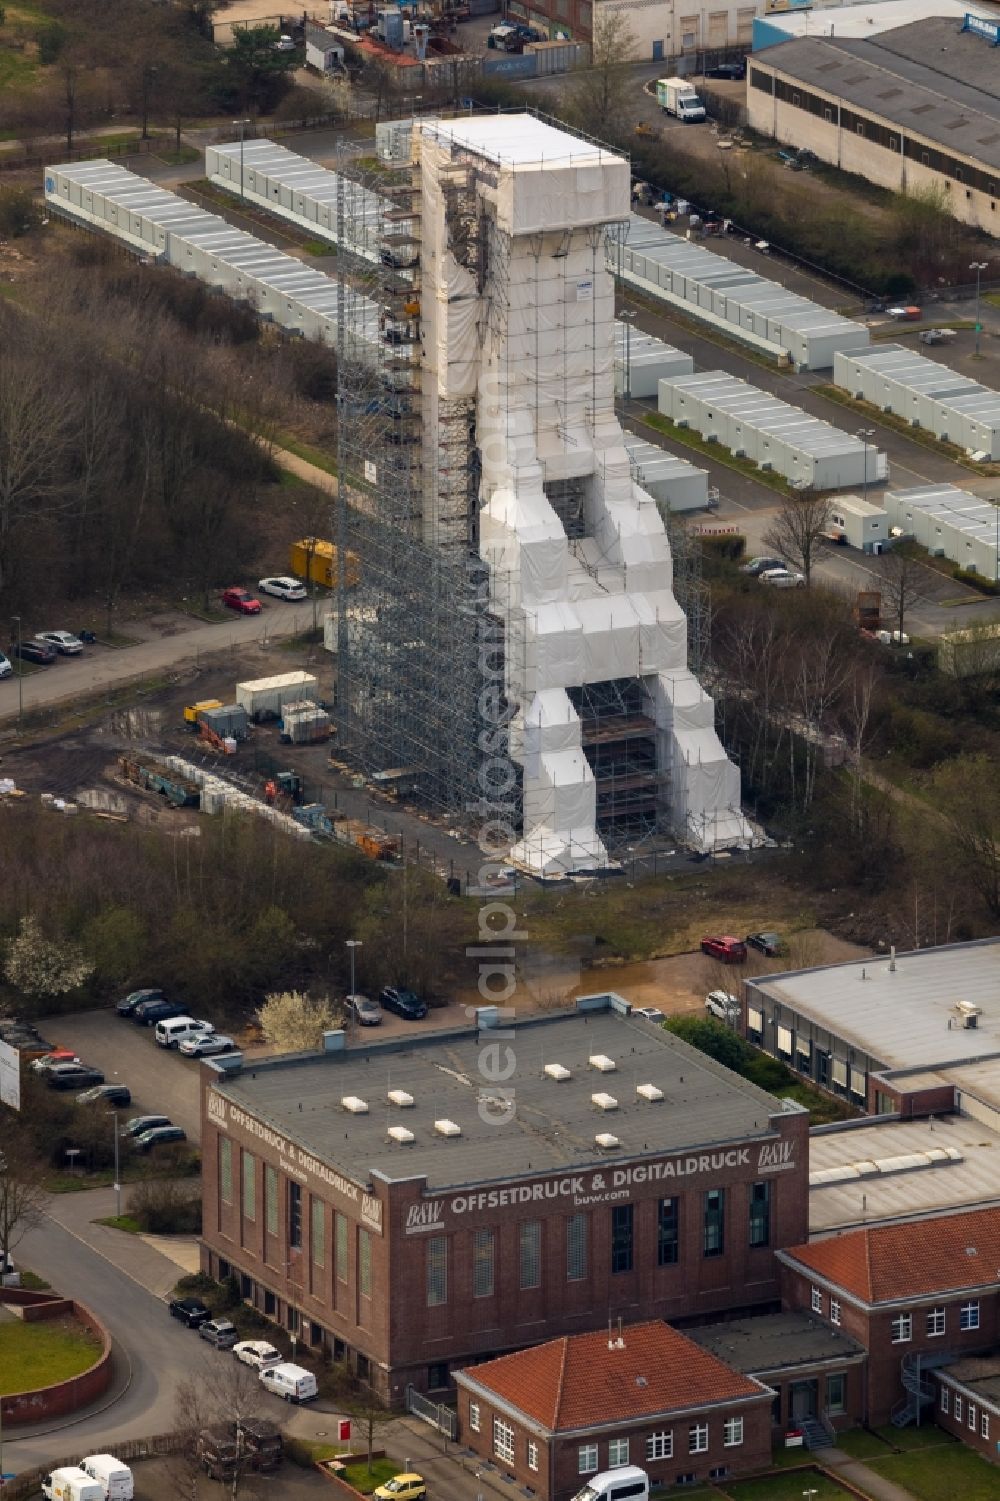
[121, 1222]
[365, 1480]
[34, 1355]
[691, 439]
[32, 1283]
[783, 1488]
[948, 1472]
[861, 1443]
[930, 1436]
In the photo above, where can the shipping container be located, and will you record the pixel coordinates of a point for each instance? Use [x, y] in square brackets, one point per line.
[673, 483]
[315, 560]
[265, 698]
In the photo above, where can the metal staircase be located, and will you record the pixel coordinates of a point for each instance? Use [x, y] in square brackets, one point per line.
[919, 1391]
[818, 1433]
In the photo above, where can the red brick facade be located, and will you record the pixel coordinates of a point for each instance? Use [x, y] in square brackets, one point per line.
[353, 1268]
[968, 1414]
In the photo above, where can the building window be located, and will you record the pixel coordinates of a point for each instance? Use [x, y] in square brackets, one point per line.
[617, 1453]
[834, 1310]
[968, 1316]
[984, 1425]
[836, 1395]
[532, 1455]
[364, 1263]
[249, 1186]
[715, 1217]
[796, 100]
[973, 1415]
[760, 1214]
[340, 1246]
[621, 1238]
[668, 1233]
[958, 1408]
[902, 1329]
[893, 144]
[294, 1216]
[828, 115]
[576, 1248]
[503, 1440]
[660, 1446]
[861, 130]
[586, 1459]
[698, 1438]
[270, 1200]
[816, 1300]
[718, 1472]
[226, 1169]
[317, 1233]
[732, 1432]
[474, 1416]
[935, 1321]
[437, 1376]
[437, 1270]
[945, 1399]
[482, 1264]
[531, 1253]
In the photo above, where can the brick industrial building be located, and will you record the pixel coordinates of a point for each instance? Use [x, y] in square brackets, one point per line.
[375, 1201]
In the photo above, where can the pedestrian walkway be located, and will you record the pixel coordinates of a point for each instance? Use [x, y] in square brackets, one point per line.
[861, 1476]
[139, 1257]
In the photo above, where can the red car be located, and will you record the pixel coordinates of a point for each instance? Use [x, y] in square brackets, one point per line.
[241, 600]
[729, 950]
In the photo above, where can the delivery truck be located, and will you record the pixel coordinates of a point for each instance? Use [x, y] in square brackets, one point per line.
[676, 96]
[114, 1478]
[71, 1484]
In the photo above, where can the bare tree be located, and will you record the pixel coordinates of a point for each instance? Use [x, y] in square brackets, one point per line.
[967, 797]
[904, 581]
[600, 97]
[362, 1404]
[796, 530]
[22, 1197]
[214, 1406]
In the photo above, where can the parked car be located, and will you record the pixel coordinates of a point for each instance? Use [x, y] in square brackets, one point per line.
[6, 667]
[65, 643]
[190, 1311]
[141, 1123]
[114, 1095]
[219, 1332]
[649, 1013]
[172, 1030]
[257, 1353]
[283, 588]
[50, 1060]
[768, 944]
[783, 578]
[135, 998]
[730, 950]
[207, 1045]
[734, 71]
[34, 650]
[156, 1009]
[73, 1076]
[724, 1005]
[159, 1136]
[365, 1011]
[241, 600]
[404, 1003]
[757, 566]
[292, 1382]
[411, 1487]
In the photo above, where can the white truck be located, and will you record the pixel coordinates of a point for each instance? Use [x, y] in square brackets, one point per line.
[71, 1484]
[114, 1478]
[676, 96]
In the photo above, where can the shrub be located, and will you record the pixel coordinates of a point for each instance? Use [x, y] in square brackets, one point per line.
[975, 581]
[164, 1208]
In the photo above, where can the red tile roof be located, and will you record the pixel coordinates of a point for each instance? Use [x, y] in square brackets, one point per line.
[886, 1262]
[577, 1381]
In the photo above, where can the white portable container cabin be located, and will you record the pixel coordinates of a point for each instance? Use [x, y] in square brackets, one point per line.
[734, 299]
[926, 393]
[861, 523]
[951, 523]
[642, 361]
[673, 483]
[752, 424]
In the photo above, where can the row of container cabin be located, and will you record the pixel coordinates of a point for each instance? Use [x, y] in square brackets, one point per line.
[924, 393]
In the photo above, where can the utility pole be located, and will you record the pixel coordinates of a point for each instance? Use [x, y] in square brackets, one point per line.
[979, 267]
[352, 944]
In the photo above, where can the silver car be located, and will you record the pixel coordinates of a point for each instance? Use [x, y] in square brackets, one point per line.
[219, 1332]
[364, 1010]
[64, 642]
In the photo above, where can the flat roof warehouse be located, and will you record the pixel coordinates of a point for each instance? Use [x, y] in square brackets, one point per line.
[660, 1098]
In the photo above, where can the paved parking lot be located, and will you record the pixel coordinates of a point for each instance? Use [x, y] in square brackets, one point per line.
[160, 1081]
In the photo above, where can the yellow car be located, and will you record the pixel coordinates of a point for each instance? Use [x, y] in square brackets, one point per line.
[402, 1488]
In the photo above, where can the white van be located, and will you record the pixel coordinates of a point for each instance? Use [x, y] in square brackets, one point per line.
[628, 1483]
[290, 1381]
[178, 1029]
[114, 1478]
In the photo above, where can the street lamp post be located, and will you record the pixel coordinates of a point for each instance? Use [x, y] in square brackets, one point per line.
[866, 434]
[352, 944]
[979, 267]
[118, 1180]
[242, 129]
[16, 619]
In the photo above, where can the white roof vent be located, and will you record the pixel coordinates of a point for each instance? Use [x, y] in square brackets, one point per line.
[557, 1071]
[649, 1092]
[602, 1062]
[354, 1104]
[606, 1141]
[604, 1101]
[401, 1136]
[399, 1097]
[447, 1128]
